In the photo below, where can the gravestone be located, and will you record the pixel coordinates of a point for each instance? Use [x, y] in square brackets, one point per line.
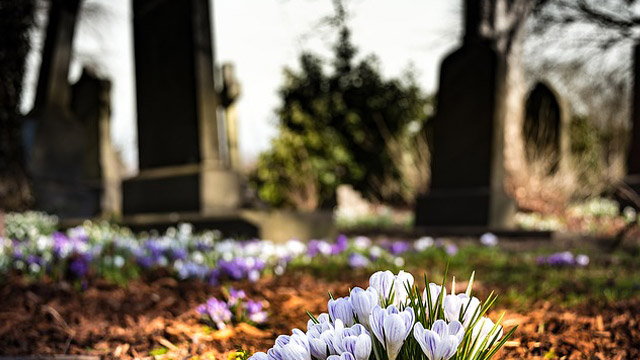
[181, 168]
[56, 136]
[632, 179]
[91, 104]
[67, 133]
[542, 128]
[467, 136]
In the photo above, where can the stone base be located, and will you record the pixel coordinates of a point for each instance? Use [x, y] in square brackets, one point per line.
[283, 225]
[67, 200]
[275, 225]
[190, 188]
[468, 207]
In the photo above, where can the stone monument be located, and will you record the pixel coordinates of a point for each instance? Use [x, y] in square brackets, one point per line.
[632, 179]
[467, 136]
[91, 104]
[64, 131]
[180, 162]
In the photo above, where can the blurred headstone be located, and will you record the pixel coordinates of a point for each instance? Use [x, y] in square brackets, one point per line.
[544, 127]
[55, 153]
[467, 162]
[181, 168]
[91, 104]
[632, 179]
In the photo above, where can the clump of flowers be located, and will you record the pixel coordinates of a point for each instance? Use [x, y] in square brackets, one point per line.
[564, 258]
[31, 224]
[236, 309]
[392, 319]
[538, 221]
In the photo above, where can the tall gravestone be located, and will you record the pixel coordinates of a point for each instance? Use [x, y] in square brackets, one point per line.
[181, 169]
[467, 136]
[60, 133]
[633, 157]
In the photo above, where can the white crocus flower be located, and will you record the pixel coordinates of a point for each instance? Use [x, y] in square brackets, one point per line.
[387, 284]
[391, 327]
[341, 308]
[459, 305]
[363, 302]
[484, 330]
[441, 342]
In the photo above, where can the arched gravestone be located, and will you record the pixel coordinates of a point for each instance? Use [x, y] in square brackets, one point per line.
[541, 130]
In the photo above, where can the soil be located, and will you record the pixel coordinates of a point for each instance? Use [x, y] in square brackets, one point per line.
[128, 322]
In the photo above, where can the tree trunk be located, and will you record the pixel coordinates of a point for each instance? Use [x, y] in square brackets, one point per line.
[16, 19]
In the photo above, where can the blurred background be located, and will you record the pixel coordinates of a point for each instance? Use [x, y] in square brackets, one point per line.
[145, 145]
[345, 91]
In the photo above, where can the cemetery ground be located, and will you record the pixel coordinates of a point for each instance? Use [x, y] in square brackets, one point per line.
[563, 311]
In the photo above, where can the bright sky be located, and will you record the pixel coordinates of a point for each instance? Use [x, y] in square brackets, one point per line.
[261, 37]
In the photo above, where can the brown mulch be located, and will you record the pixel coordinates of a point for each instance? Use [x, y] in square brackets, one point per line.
[116, 322]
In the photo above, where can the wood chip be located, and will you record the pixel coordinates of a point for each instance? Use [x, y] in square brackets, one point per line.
[599, 323]
[166, 343]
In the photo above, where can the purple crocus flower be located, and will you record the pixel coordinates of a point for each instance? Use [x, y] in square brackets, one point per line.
[489, 239]
[179, 254]
[564, 258]
[17, 252]
[358, 260]
[214, 277]
[340, 245]
[560, 259]
[235, 296]
[313, 249]
[234, 269]
[34, 259]
[255, 312]
[316, 247]
[61, 244]
[144, 261]
[191, 270]
[451, 249]
[79, 267]
[215, 311]
[399, 247]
